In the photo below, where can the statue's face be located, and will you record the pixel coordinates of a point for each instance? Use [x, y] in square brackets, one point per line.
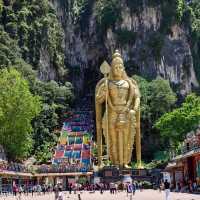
[117, 69]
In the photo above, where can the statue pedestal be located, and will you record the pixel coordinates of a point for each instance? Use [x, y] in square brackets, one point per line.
[110, 174]
[114, 174]
[126, 171]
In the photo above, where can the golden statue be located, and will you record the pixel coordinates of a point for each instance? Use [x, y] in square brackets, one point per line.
[117, 101]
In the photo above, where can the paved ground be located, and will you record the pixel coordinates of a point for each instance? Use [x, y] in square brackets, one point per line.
[145, 195]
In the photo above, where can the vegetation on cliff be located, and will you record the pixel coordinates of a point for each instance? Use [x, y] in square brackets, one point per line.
[34, 27]
[27, 28]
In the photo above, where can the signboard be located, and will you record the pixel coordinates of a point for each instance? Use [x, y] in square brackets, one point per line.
[108, 173]
[125, 172]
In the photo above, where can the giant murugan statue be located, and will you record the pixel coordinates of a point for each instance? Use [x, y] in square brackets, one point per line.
[117, 101]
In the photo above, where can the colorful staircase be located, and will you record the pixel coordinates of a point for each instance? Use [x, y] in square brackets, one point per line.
[74, 148]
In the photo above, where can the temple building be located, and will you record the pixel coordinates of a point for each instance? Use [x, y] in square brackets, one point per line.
[185, 167]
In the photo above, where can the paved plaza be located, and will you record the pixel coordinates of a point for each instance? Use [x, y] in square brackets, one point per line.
[144, 195]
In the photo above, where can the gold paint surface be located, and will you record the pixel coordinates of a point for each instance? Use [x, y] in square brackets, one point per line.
[117, 102]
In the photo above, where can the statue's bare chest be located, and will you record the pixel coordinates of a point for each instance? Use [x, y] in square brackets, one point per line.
[118, 91]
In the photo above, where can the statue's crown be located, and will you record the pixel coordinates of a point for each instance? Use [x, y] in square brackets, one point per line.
[117, 57]
[116, 54]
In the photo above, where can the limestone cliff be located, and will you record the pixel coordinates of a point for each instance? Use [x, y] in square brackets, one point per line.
[136, 33]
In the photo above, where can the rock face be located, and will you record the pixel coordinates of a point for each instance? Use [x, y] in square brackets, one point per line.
[46, 70]
[145, 53]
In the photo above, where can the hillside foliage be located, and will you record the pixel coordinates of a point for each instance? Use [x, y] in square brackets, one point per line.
[28, 28]
[17, 109]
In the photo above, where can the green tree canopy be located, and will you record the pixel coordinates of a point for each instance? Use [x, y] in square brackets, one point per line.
[161, 97]
[157, 98]
[176, 124]
[56, 99]
[17, 109]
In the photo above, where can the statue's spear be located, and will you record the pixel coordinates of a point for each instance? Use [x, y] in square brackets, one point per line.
[105, 70]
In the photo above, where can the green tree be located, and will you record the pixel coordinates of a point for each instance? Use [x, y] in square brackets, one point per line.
[108, 12]
[56, 100]
[157, 98]
[18, 107]
[154, 93]
[176, 124]
[161, 97]
[45, 152]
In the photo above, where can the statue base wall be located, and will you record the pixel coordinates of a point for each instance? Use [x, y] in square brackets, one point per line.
[114, 174]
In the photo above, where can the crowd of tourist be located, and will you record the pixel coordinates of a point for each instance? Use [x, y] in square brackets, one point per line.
[32, 189]
[75, 188]
[190, 186]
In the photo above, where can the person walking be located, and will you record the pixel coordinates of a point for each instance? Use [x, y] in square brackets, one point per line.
[112, 188]
[15, 189]
[101, 188]
[129, 188]
[161, 186]
[116, 188]
[60, 196]
[20, 190]
[56, 191]
[134, 188]
[70, 188]
[167, 189]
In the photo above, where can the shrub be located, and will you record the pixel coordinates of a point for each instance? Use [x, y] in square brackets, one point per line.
[108, 12]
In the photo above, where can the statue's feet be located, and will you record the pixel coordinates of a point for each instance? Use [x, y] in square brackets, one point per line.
[140, 166]
[101, 166]
[127, 166]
